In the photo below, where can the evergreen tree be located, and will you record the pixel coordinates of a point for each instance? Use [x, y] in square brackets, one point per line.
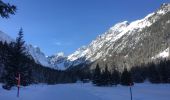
[138, 74]
[22, 60]
[106, 77]
[153, 76]
[126, 78]
[115, 77]
[163, 71]
[18, 63]
[9, 75]
[6, 9]
[97, 76]
[168, 70]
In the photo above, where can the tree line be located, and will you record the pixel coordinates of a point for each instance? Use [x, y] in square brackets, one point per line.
[153, 72]
[109, 78]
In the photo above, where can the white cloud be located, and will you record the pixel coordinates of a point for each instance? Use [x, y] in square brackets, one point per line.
[58, 43]
[62, 43]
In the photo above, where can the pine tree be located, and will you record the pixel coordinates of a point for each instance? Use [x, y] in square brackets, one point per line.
[115, 77]
[126, 78]
[168, 70]
[18, 63]
[23, 60]
[138, 74]
[6, 9]
[106, 77]
[9, 75]
[163, 71]
[97, 76]
[153, 76]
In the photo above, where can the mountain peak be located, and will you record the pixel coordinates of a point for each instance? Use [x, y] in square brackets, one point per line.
[57, 61]
[60, 54]
[119, 26]
[165, 7]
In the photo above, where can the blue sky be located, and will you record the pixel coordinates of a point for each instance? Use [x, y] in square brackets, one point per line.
[66, 25]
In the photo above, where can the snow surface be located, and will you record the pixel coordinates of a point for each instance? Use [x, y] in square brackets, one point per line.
[163, 54]
[80, 91]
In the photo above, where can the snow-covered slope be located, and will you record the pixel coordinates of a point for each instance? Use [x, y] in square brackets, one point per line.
[125, 42]
[163, 54]
[35, 52]
[93, 51]
[58, 61]
[38, 55]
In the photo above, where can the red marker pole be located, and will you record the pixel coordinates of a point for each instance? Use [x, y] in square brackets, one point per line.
[18, 85]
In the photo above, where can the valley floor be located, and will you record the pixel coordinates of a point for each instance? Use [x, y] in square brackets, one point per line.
[80, 91]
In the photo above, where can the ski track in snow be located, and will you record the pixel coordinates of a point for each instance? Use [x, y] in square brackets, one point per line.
[80, 91]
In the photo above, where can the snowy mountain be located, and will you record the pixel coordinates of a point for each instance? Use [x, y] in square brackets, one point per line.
[127, 44]
[38, 55]
[58, 61]
[35, 52]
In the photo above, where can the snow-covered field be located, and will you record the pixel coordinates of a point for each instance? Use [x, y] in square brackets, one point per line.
[80, 91]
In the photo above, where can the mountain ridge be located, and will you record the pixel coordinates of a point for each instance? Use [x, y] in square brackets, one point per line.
[116, 45]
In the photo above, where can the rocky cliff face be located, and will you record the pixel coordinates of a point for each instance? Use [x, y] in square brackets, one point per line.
[127, 43]
[58, 61]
